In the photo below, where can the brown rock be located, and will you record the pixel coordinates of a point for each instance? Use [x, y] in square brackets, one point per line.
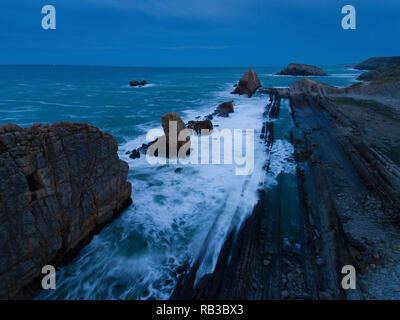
[59, 185]
[172, 125]
[248, 84]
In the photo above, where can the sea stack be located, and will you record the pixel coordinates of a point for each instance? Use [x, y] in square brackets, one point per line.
[59, 185]
[248, 84]
[296, 69]
[172, 125]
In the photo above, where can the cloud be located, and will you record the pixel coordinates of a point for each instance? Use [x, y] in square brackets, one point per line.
[194, 47]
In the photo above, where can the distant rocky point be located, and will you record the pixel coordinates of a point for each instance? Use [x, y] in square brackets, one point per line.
[385, 68]
[59, 185]
[375, 63]
[296, 69]
[248, 84]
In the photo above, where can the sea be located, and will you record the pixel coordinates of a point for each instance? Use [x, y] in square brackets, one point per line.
[176, 214]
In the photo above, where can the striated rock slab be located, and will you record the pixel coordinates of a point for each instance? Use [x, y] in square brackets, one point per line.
[387, 92]
[248, 84]
[296, 69]
[59, 185]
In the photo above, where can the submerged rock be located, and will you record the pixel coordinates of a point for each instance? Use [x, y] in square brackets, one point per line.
[248, 84]
[135, 154]
[296, 69]
[59, 185]
[224, 109]
[135, 83]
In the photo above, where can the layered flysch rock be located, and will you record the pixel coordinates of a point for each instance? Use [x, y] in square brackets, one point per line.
[387, 92]
[248, 84]
[296, 69]
[59, 185]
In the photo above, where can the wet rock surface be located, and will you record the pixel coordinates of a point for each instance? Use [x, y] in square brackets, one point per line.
[59, 185]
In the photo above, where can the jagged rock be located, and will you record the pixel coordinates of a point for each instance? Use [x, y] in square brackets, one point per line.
[248, 84]
[198, 126]
[135, 83]
[135, 154]
[296, 69]
[59, 185]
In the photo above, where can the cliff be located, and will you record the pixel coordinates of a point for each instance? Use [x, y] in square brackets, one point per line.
[59, 185]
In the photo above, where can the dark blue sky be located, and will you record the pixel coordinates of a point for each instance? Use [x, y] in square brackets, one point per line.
[197, 32]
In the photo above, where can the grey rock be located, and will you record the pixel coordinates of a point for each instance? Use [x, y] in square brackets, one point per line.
[296, 69]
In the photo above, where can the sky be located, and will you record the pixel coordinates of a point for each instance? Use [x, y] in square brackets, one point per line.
[197, 33]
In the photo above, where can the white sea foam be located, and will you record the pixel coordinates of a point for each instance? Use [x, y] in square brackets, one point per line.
[174, 214]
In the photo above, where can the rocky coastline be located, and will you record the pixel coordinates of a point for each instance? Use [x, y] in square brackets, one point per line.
[60, 185]
[348, 181]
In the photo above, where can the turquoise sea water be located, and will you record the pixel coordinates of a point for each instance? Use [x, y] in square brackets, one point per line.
[173, 214]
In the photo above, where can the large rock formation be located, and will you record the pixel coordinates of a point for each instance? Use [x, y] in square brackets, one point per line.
[248, 84]
[387, 92]
[296, 69]
[59, 185]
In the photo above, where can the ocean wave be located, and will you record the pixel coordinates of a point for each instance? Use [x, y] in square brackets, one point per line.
[171, 217]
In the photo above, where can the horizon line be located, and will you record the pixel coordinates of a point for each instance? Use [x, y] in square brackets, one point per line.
[132, 66]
